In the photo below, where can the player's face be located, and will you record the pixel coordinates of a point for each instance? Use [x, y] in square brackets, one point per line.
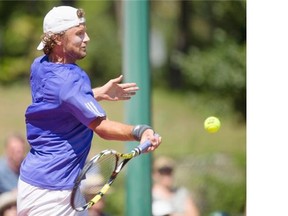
[74, 43]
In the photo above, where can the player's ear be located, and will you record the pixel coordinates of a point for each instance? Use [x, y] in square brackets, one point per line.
[58, 39]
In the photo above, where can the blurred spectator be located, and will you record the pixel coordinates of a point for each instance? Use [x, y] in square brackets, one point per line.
[169, 200]
[95, 183]
[14, 153]
[8, 203]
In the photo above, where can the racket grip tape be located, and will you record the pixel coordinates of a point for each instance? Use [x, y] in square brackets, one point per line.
[144, 146]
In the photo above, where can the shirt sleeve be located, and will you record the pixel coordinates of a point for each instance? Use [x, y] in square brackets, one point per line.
[76, 96]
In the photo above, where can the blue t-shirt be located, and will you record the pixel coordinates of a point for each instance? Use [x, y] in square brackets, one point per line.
[57, 124]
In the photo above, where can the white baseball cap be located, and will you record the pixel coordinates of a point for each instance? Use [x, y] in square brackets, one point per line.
[60, 19]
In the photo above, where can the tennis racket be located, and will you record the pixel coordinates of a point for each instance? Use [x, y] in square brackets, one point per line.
[98, 175]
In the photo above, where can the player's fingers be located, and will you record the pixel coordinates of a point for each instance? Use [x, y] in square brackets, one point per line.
[129, 86]
[156, 141]
[124, 98]
[117, 79]
[152, 148]
[127, 94]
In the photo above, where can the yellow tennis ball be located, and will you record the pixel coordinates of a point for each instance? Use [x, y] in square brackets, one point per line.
[212, 124]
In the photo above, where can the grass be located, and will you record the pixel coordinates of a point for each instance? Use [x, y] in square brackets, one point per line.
[210, 165]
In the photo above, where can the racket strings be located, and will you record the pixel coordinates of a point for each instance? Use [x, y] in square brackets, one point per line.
[95, 177]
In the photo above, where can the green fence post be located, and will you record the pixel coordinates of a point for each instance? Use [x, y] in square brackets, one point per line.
[137, 110]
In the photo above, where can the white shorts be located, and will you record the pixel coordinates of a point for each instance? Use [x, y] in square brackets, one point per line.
[34, 201]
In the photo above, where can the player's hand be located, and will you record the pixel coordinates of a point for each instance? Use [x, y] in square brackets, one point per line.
[113, 90]
[155, 139]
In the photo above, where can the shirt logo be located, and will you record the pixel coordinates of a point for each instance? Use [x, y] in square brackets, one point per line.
[90, 106]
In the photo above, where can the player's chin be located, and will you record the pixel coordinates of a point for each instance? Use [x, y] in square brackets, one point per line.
[82, 55]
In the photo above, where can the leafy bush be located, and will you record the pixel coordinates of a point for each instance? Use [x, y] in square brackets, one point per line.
[219, 71]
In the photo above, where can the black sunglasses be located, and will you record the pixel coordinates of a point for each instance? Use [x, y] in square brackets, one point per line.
[165, 170]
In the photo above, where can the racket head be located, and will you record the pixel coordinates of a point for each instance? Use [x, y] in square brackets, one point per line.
[94, 180]
[98, 175]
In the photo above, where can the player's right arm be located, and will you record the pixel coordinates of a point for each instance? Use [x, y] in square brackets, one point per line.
[112, 130]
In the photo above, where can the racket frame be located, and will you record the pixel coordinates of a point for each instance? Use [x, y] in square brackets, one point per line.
[118, 167]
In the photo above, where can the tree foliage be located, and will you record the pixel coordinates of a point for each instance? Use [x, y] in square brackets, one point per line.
[206, 48]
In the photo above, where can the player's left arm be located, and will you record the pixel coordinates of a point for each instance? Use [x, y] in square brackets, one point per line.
[114, 90]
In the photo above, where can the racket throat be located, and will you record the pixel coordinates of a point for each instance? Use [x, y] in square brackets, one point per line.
[136, 151]
[90, 204]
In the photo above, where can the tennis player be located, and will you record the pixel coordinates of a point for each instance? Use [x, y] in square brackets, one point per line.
[64, 115]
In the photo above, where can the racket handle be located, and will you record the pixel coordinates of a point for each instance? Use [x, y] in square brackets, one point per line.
[144, 146]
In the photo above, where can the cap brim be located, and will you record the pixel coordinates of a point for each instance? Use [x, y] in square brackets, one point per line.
[40, 46]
